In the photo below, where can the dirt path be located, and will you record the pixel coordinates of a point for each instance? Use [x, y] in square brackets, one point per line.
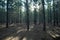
[20, 33]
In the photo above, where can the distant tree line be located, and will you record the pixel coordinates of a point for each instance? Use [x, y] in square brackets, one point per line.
[19, 11]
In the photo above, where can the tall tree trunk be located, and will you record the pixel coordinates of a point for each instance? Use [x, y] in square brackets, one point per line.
[27, 11]
[44, 24]
[39, 18]
[7, 15]
[50, 14]
[35, 17]
[53, 13]
[56, 15]
[20, 16]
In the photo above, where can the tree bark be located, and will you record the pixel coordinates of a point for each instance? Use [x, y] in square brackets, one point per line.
[7, 15]
[53, 13]
[44, 24]
[27, 11]
[35, 17]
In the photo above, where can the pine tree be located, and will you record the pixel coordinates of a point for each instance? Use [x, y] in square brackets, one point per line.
[27, 11]
[44, 24]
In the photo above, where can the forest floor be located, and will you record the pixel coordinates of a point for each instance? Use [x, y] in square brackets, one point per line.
[19, 32]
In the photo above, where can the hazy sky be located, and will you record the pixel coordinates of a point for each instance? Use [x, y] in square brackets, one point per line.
[31, 5]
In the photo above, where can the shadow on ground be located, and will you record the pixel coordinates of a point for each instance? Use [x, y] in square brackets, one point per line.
[20, 33]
